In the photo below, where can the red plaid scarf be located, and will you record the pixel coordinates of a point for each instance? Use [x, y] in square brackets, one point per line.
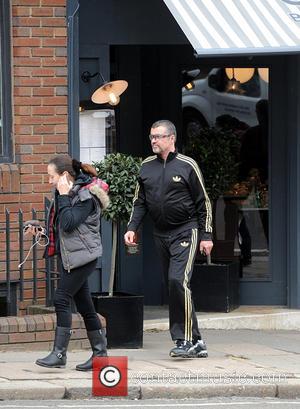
[97, 182]
[51, 245]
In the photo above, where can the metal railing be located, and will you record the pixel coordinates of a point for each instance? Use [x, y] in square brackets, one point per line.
[19, 282]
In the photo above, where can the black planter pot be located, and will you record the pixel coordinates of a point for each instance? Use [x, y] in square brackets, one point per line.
[215, 287]
[124, 314]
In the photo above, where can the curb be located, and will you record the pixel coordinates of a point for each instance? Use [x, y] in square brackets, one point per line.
[273, 321]
[207, 391]
[25, 390]
[81, 389]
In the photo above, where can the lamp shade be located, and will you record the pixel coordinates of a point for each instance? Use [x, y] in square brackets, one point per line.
[264, 74]
[240, 74]
[109, 92]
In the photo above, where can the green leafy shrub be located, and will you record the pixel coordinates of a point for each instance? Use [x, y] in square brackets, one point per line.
[120, 172]
[216, 152]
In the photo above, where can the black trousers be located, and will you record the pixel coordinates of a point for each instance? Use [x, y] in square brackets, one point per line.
[177, 253]
[245, 241]
[74, 285]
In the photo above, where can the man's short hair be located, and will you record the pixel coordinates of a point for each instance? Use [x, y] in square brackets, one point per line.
[170, 127]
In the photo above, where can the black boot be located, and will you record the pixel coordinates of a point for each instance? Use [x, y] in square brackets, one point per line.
[98, 343]
[57, 358]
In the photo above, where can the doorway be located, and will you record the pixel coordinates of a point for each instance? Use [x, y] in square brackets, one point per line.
[229, 128]
[154, 69]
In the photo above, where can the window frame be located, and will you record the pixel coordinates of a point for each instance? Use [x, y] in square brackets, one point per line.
[5, 90]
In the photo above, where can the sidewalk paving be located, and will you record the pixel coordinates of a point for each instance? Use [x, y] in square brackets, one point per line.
[241, 362]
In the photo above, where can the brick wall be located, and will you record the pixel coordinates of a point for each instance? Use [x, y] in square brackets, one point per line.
[40, 91]
[39, 83]
[33, 332]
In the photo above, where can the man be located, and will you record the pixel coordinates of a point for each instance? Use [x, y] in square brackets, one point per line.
[254, 147]
[254, 166]
[171, 188]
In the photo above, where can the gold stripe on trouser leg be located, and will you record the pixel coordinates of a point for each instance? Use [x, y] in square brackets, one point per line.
[187, 292]
[190, 295]
[188, 323]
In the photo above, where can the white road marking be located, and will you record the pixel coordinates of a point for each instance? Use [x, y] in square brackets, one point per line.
[154, 405]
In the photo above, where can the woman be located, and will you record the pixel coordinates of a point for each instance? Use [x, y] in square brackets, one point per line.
[73, 227]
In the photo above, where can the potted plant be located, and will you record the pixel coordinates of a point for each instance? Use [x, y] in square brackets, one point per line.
[216, 152]
[215, 286]
[123, 312]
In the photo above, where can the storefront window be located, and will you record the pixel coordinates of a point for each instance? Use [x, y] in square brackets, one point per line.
[226, 131]
[97, 134]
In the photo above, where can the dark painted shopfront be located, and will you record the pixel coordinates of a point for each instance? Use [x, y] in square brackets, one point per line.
[142, 43]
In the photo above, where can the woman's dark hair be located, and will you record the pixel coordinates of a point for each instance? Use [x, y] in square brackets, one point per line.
[64, 163]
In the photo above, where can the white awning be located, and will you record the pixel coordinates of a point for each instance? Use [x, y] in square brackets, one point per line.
[217, 27]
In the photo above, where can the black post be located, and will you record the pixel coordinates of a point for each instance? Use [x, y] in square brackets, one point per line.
[47, 260]
[7, 226]
[34, 262]
[73, 77]
[21, 254]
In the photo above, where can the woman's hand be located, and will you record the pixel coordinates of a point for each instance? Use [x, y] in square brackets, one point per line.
[33, 227]
[63, 185]
[30, 230]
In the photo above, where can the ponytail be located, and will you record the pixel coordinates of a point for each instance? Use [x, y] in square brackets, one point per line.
[85, 167]
[76, 165]
[64, 163]
[89, 169]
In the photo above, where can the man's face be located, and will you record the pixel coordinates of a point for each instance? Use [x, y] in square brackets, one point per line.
[53, 175]
[163, 144]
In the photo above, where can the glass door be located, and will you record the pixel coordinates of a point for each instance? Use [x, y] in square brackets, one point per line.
[226, 130]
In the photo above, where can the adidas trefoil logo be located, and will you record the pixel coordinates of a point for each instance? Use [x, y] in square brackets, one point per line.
[176, 178]
[184, 243]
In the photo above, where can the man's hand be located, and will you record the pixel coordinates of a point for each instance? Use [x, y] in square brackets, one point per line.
[206, 247]
[130, 238]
